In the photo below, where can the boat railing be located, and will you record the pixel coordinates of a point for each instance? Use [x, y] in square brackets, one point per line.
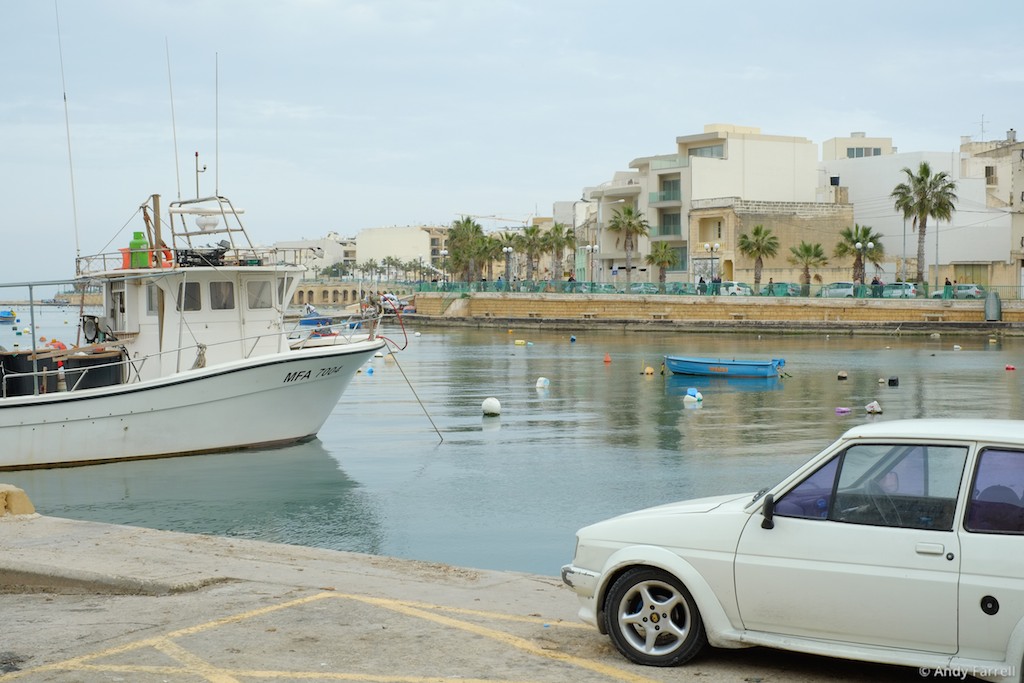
[149, 258]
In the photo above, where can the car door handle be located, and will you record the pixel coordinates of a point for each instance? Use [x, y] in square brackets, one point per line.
[929, 548]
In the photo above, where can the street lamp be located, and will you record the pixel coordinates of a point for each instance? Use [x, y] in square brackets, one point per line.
[508, 266]
[421, 278]
[862, 250]
[712, 249]
[591, 249]
[444, 266]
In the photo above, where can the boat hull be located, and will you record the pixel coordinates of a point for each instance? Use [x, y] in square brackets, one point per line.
[269, 400]
[719, 367]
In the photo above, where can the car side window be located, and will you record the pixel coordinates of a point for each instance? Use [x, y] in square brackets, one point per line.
[995, 506]
[911, 486]
[810, 499]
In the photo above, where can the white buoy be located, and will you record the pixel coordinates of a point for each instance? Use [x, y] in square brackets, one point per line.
[873, 408]
[491, 407]
[693, 396]
[956, 347]
[416, 334]
[379, 354]
[543, 382]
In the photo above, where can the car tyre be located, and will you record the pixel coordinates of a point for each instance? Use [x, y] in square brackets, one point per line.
[652, 619]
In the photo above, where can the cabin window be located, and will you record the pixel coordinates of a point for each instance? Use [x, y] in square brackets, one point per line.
[283, 285]
[189, 293]
[152, 302]
[222, 296]
[260, 294]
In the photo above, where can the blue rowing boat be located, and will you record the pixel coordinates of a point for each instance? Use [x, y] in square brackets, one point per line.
[721, 367]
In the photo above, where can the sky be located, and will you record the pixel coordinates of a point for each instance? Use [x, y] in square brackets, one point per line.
[332, 115]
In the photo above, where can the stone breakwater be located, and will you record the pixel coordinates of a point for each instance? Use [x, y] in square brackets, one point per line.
[666, 312]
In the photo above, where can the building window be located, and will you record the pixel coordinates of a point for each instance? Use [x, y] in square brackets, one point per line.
[681, 260]
[858, 152]
[712, 151]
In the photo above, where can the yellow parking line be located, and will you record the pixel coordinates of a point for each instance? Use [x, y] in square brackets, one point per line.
[194, 665]
[502, 637]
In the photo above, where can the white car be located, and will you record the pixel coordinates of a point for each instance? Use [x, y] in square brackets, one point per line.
[736, 288]
[900, 543]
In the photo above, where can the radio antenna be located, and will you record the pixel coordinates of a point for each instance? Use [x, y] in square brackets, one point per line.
[216, 124]
[67, 127]
[174, 126]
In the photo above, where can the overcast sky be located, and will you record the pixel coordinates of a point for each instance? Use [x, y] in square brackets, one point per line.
[338, 115]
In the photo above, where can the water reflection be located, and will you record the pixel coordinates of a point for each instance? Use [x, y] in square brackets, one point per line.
[510, 492]
[296, 494]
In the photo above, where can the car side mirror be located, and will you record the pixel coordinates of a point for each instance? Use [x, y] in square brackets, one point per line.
[768, 511]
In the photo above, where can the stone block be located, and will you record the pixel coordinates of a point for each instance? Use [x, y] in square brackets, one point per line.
[14, 501]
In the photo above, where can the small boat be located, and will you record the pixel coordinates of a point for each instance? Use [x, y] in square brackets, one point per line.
[192, 354]
[8, 317]
[722, 367]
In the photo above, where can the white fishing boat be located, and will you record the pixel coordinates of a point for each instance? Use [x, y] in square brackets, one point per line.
[190, 355]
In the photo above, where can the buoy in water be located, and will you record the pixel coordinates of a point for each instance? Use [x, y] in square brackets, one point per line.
[873, 408]
[842, 411]
[648, 370]
[842, 375]
[956, 347]
[607, 358]
[379, 354]
[543, 382]
[491, 407]
[572, 339]
[1010, 367]
[520, 342]
[369, 371]
[416, 334]
[693, 396]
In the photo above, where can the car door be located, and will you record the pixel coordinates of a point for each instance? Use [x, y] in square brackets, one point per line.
[992, 544]
[862, 551]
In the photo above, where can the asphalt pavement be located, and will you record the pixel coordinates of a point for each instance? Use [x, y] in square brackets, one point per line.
[83, 601]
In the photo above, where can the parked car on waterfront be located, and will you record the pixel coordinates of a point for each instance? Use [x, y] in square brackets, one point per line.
[897, 544]
[836, 290]
[781, 289]
[967, 291]
[641, 288]
[598, 288]
[736, 288]
[680, 288]
[900, 290]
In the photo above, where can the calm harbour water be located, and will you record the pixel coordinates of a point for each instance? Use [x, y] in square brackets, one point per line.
[510, 492]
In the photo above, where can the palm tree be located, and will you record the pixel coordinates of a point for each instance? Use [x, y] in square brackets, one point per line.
[464, 244]
[531, 242]
[632, 224]
[491, 251]
[556, 240]
[807, 256]
[864, 235]
[664, 257]
[922, 196]
[757, 245]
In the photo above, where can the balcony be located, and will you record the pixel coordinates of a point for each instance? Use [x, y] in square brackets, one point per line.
[678, 161]
[665, 196]
[665, 230]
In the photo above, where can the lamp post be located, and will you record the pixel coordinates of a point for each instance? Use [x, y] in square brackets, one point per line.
[862, 250]
[508, 266]
[421, 277]
[444, 267]
[712, 249]
[590, 249]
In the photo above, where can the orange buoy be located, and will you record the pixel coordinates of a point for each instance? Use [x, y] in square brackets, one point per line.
[607, 358]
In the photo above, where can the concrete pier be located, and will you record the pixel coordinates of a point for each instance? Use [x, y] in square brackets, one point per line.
[82, 601]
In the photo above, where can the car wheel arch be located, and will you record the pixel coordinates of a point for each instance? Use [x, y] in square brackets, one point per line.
[720, 630]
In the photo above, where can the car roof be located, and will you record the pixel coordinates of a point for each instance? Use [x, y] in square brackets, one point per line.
[973, 429]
